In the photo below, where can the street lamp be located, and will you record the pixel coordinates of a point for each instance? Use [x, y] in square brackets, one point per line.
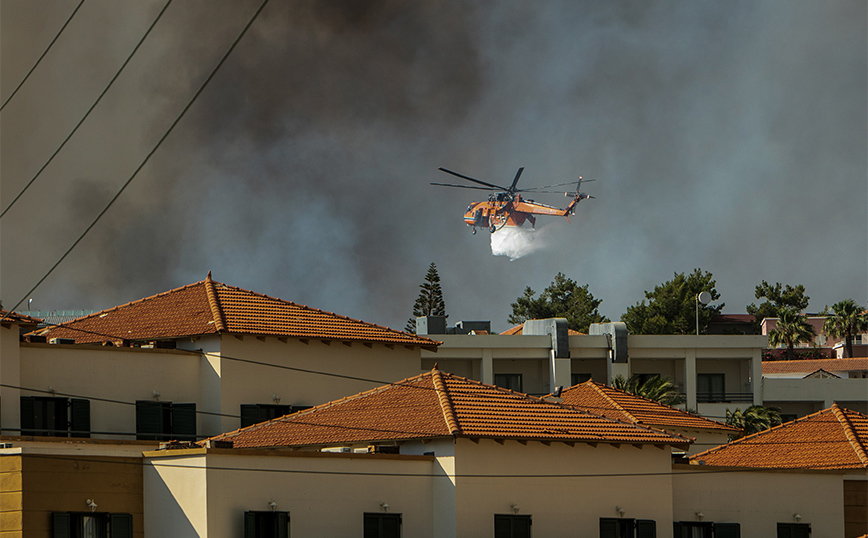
[704, 298]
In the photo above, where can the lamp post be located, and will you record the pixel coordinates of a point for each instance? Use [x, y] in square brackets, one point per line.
[704, 298]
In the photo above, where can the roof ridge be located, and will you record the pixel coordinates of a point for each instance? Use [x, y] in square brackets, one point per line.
[445, 401]
[618, 406]
[214, 303]
[857, 445]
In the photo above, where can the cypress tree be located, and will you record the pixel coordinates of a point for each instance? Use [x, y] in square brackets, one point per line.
[430, 301]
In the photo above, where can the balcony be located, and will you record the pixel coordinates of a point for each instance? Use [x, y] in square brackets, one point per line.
[723, 397]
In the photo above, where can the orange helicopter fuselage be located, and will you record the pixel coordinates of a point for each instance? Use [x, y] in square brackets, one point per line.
[497, 213]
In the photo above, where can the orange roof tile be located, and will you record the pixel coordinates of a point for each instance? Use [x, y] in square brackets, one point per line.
[810, 366]
[835, 438]
[439, 404]
[15, 317]
[617, 404]
[210, 307]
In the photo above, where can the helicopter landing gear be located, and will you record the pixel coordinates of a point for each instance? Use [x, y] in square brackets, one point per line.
[492, 229]
[473, 232]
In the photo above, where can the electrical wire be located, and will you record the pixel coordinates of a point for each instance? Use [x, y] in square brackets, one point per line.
[98, 99]
[146, 159]
[62, 28]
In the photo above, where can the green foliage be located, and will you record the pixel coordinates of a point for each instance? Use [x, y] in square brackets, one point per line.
[754, 419]
[777, 297]
[847, 319]
[671, 307]
[430, 301]
[811, 353]
[659, 389]
[564, 298]
[792, 329]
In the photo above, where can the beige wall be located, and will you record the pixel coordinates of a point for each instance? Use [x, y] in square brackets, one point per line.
[759, 500]
[560, 504]
[10, 413]
[325, 494]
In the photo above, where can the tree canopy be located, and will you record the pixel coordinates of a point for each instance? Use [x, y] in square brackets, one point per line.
[754, 419]
[778, 297]
[671, 306]
[563, 298]
[430, 301]
[846, 320]
[656, 388]
[792, 329]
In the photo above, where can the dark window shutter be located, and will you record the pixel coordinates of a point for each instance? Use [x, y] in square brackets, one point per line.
[121, 525]
[149, 420]
[250, 415]
[60, 525]
[80, 417]
[27, 415]
[678, 530]
[727, 530]
[391, 526]
[521, 527]
[282, 525]
[371, 528]
[646, 528]
[250, 525]
[59, 413]
[502, 526]
[184, 421]
[608, 527]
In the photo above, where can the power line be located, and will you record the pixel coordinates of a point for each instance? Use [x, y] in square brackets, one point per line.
[147, 158]
[62, 28]
[98, 99]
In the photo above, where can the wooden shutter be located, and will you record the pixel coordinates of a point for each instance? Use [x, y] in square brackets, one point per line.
[646, 528]
[502, 526]
[678, 531]
[149, 420]
[121, 525]
[282, 524]
[60, 525]
[608, 527]
[391, 526]
[727, 530]
[28, 421]
[250, 525]
[521, 527]
[371, 527]
[79, 417]
[184, 421]
[250, 415]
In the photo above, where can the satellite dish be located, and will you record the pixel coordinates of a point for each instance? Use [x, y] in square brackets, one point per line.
[704, 298]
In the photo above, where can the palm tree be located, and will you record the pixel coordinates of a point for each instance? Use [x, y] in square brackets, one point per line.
[792, 328]
[754, 419]
[659, 389]
[847, 320]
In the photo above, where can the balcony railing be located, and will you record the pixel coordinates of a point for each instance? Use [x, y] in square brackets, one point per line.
[723, 397]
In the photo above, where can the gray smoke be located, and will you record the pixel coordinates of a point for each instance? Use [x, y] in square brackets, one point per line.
[727, 136]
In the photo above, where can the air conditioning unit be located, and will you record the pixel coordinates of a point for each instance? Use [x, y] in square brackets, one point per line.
[62, 341]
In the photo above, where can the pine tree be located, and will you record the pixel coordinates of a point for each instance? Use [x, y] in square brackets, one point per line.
[430, 301]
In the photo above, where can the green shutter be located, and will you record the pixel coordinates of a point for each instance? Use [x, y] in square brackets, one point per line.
[184, 421]
[391, 526]
[646, 528]
[80, 414]
[249, 415]
[282, 525]
[149, 420]
[371, 528]
[727, 530]
[121, 525]
[60, 525]
[27, 415]
[608, 527]
[502, 526]
[678, 531]
[521, 527]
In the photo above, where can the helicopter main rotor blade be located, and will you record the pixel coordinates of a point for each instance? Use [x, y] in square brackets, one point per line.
[515, 181]
[497, 187]
[537, 189]
[465, 186]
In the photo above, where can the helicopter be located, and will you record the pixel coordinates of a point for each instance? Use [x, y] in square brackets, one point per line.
[507, 207]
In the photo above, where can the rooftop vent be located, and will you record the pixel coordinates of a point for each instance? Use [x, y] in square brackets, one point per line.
[62, 341]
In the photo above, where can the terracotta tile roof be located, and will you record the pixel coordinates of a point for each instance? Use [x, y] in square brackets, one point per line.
[210, 307]
[15, 317]
[439, 404]
[810, 366]
[517, 330]
[619, 405]
[835, 438]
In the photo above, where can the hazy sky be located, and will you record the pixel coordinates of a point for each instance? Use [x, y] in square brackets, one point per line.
[729, 136]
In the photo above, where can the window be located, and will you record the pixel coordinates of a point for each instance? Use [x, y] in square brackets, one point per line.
[383, 525]
[266, 524]
[59, 417]
[91, 525]
[255, 413]
[710, 387]
[693, 529]
[508, 381]
[575, 379]
[511, 526]
[794, 530]
[727, 530]
[165, 421]
[611, 527]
